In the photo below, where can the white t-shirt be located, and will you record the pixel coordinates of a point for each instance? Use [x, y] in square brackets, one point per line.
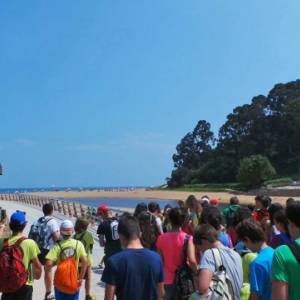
[52, 227]
[159, 224]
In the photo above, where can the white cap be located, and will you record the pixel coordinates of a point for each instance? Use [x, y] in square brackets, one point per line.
[66, 227]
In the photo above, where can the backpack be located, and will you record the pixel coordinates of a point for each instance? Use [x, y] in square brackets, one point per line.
[221, 286]
[184, 277]
[13, 274]
[149, 230]
[39, 232]
[66, 274]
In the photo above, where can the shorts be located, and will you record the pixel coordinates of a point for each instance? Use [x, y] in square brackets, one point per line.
[24, 293]
[62, 296]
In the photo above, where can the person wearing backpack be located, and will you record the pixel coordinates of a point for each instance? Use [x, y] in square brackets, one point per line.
[229, 211]
[220, 273]
[67, 254]
[19, 263]
[83, 235]
[173, 246]
[286, 260]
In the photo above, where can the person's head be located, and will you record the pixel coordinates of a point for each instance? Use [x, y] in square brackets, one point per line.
[241, 214]
[274, 207]
[293, 216]
[141, 207]
[167, 209]
[48, 209]
[103, 211]
[180, 203]
[251, 233]
[214, 202]
[199, 207]
[154, 208]
[177, 217]
[66, 229]
[205, 237]
[281, 221]
[128, 229]
[81, 225]
[211, 215]
[205, 200]
[290, 201]
[190, 202]
[17, 222]
[262, 201]
[234, 200]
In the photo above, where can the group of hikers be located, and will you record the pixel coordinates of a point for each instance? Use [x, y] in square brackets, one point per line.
[194, 251]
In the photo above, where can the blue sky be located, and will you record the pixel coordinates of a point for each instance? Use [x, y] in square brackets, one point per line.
[99, 92]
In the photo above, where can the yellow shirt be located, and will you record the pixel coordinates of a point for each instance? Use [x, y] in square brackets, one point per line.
[30, 250]
[55, 253]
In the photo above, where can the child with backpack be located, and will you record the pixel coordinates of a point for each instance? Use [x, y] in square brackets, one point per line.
[19, 263]
[67, 254]
[81, 234]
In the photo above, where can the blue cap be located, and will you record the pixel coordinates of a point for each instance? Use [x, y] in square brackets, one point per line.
[18, 217]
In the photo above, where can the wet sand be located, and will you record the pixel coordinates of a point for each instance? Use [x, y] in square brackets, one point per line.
[152, 194]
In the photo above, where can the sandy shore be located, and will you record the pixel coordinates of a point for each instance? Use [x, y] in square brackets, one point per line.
[152, 194]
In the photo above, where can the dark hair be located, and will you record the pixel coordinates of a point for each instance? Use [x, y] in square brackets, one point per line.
[211, 215]
[241, 214]
[129, 227]
[48, 209]
[273, 209]
[153, 207]
[280, 217]
[250, 229]
[264, 200]
[234, 200]
[81, 225]
[251, 207]
[16, 227]
[180, 203]
[177, 216]
[190, 202]
[167, 208]
[290, 201]
[141, 207]
[293, 213]
[205, 232]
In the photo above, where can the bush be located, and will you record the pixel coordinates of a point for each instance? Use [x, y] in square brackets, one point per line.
[254, 170]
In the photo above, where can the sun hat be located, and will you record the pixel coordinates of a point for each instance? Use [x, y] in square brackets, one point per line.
[102, 209]
[18, 217]
[66, 227]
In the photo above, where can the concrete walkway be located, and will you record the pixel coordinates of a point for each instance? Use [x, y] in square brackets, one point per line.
[33, 214]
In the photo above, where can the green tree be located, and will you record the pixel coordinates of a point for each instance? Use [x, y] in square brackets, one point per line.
[254, 170]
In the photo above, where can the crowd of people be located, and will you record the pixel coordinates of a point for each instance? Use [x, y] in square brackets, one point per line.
[193, 251]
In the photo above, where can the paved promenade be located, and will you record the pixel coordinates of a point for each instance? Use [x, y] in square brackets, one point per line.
[33, 214]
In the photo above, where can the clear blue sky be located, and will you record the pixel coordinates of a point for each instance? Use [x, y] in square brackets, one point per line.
[99, 92]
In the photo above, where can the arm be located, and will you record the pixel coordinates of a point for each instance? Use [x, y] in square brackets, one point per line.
[279, 290]
[191, 255]
[160, 291]
[48, 275]
[204, 279]
[83, 266]
[56, 236]
[109, 292]
[37, 268]
[101, 240]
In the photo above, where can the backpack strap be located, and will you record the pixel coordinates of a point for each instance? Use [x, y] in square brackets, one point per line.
[185, 248]
[217, 258]
[295, 248]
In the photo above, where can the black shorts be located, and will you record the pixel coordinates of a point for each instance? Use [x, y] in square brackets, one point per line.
[42, 256]
[24, 293]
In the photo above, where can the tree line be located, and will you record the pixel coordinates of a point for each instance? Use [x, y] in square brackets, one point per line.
[268, 128]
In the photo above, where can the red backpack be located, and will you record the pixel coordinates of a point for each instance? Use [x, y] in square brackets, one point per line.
[13, 274]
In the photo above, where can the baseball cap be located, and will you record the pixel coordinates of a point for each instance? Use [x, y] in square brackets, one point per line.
[102, 209]
[214, 202]
[66, 227]
[18, 217]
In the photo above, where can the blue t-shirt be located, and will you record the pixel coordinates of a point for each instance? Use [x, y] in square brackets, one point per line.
[225, 239]
[260, 274]
[135, 273]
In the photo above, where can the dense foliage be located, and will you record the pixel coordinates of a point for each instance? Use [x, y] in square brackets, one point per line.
[269, 126]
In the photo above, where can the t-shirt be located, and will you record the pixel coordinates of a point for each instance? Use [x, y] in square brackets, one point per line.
[224, 238]
[260, 274]
[109, 228]
[170, 245]
[232, 263]
[228, 213]
[88, 241]
[159, 224]
[55, 252]
[246, 261]
[30, 250]
[280, 239]
[286, 268]
[135, 273]
[52, 227]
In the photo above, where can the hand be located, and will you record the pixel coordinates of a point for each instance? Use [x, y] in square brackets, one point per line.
[79, 282]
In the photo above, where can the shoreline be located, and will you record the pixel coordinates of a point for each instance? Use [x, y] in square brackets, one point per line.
[151, 195]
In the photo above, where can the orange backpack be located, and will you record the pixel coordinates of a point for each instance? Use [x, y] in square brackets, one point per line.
[66, 275]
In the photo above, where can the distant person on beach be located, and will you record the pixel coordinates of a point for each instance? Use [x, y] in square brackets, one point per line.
[83, 235]
[154, 209]
[108, 232]
[68, 255]
[18, 280]
[135, 273]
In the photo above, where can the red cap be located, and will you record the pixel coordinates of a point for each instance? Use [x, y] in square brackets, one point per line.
[214, 202]
[102, 209]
